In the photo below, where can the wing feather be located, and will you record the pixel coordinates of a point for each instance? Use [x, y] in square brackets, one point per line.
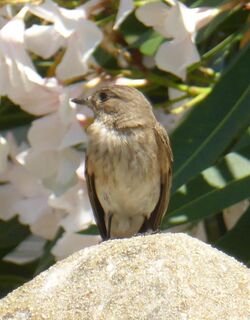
[165, 157]
[99, 213]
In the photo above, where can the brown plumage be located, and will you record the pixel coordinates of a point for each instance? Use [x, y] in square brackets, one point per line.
[128, 163]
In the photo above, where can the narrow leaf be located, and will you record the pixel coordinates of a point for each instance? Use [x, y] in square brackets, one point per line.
[236, 242]
[12, 232]
[214, 189]
[212, 125]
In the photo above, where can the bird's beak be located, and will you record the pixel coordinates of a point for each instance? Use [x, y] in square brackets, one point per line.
[79, 100]
[83, 101]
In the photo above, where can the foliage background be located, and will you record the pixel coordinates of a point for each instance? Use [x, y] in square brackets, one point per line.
[211, 144]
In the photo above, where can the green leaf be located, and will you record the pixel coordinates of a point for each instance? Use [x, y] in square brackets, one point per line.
[236, 242]
[150, 46]
[14, 119]
[132, 30]
[139, 36]
[12, 232]
[12, 275]
[93, 230]
[214, 189]
[230, 21]
[211, 126]
[9, 282]
[104, 58]
[244, 140]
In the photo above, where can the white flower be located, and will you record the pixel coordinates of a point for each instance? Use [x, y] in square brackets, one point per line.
[51, 156]
[8, 198]
[179, 24]
[70, 242]
[125, 8]
[4, 150]
[75, 203]
[72, 30]
[43, 186]
[80, 47]
[18, 78]
[41, 183]
[27, 251]
[38, 34]
[25, 195]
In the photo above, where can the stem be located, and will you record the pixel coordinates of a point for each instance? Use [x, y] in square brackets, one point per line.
[191, 90]
[202, 80]
[170, 102]
[229, 40]
[105, 20]
[209, 72]
[139, 3]
[190, 103]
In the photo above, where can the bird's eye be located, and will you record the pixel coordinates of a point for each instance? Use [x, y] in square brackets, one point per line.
[103, 96]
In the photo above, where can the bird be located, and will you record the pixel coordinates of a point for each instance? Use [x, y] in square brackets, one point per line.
[128, 164]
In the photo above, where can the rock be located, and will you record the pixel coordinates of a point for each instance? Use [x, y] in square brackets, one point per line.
[160, 276]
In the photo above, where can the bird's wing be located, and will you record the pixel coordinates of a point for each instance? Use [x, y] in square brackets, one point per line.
[95, 203]
[165, 158]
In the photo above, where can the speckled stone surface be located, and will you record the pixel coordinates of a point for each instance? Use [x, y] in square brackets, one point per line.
[161, 276]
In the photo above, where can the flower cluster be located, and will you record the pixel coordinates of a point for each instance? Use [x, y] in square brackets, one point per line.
[42, 178]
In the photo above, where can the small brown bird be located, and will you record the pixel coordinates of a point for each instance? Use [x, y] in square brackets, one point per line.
[128, 163]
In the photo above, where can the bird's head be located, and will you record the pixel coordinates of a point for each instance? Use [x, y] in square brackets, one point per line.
[117, 104]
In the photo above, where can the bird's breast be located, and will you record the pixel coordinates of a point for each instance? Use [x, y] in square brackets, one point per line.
[113, 152]
[126, 169]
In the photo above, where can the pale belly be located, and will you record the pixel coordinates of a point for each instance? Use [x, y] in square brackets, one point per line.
[127, 184]
[129, 198]
[128, 192]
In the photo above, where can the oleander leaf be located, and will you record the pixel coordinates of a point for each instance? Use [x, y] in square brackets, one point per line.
[211, 126]
[214, 189]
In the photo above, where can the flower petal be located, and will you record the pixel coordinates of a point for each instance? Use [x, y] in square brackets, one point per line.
[64, 20]
[174, 56]
[30, 209]
[153, 15]
[69, 161]
[8, 197]
[81, 45]
[93, 7]
[37, 35]
[41, 98]
[35, 212]
[204, 15]
[75, 203]
[47, 224]
[25, 183]
[74, 135]
[57, 169]
[27, 251]
[71, 242]
[187, 17]
[125, 8]
[4, 151]
[47, 11]
[40, 164]
[47, 133]
[19, 80]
